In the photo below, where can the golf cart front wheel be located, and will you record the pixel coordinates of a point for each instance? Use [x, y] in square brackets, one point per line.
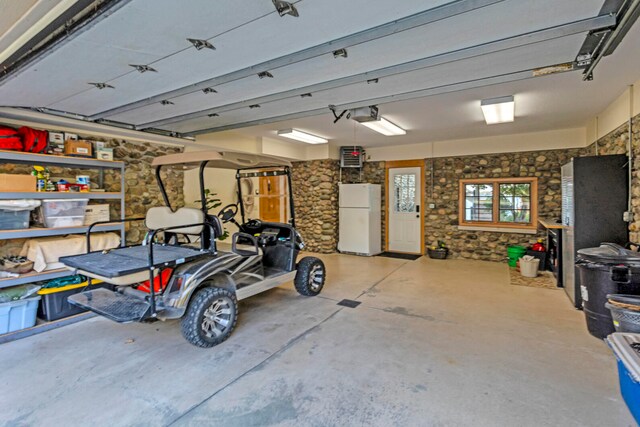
[211, 317]
[310, 276]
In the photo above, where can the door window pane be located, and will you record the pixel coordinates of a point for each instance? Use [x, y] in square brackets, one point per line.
[404, 189]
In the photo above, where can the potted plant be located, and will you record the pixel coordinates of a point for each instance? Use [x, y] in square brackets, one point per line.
[440, 251]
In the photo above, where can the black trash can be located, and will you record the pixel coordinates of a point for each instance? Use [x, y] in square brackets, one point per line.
[608, 269]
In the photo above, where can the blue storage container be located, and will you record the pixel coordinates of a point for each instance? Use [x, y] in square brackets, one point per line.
[19, 314]
[14, 220]
[626, 347]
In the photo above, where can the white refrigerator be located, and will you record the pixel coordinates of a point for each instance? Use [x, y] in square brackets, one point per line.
[360, 220]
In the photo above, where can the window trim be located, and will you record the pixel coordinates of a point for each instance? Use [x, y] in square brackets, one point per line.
[533, 225]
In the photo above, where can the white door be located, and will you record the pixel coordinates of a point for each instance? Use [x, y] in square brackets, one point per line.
[404, 210]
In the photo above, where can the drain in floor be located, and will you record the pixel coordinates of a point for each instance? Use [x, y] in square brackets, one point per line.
[349, 303]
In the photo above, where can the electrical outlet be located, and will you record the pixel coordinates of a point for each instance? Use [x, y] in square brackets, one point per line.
[432, 205]
[627, 216]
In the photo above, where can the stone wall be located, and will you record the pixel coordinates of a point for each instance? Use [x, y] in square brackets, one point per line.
[315, 196]
[141, 191]
[441, 223]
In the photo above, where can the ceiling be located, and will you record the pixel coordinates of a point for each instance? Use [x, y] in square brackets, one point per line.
[433, 61]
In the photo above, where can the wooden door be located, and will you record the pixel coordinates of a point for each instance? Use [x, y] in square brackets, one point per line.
[270, 198]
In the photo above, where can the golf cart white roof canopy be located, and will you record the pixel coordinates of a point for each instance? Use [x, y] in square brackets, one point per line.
[220, 160]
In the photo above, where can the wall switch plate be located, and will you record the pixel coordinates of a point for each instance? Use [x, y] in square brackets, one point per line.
[432, 205]
[627, 216]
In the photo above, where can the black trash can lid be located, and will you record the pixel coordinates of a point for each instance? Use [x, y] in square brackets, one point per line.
[609, 253]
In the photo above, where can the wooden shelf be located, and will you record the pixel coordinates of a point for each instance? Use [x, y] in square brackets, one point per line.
[61, 231]
[35, 277]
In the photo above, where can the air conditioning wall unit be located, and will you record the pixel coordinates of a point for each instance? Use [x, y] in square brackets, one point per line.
[351, 157]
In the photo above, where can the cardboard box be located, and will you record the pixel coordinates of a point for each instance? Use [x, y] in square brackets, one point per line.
[17, 183]
[104, 154]
[71, 136]
[96, 213]
[79, 148]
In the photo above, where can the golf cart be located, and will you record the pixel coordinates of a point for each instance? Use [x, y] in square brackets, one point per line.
[178, 272]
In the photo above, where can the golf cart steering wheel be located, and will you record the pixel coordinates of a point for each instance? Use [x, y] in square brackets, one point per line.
[228, 213]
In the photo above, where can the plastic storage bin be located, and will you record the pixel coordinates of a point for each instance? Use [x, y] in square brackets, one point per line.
[625, 311]
[19, 314]
[14, 214]
[607, 269]
[63, 213]
[54, 301]
[14, 220]
[626, 348]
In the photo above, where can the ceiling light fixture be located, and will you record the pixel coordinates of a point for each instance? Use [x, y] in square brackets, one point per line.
[384, 127]
[143, 68]
[201, 44]
[302, 136]
[498, 110]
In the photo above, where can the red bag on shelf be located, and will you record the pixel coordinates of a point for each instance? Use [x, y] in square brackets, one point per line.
[33, 141]
[10, 139]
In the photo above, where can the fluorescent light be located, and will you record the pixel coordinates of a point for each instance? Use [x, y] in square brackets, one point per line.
[498, 110]
[384, 127]
[302, 136]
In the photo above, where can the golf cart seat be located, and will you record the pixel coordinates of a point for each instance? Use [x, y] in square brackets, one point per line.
[163, 217]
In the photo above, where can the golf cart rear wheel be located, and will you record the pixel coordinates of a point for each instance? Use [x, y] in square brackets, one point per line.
[310, 276]
[211, 317]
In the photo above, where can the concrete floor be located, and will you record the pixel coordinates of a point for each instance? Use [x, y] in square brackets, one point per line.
[434, 343]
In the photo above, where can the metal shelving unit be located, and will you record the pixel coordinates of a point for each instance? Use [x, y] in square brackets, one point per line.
[14, 157]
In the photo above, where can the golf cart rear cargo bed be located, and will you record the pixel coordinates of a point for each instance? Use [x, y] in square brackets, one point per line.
[124, 261]
[113, 305]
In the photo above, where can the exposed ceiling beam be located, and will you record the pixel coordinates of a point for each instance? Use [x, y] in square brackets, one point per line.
[44, 27]
[564, 30]
[416, 20]
[405, 96]
[89, 19]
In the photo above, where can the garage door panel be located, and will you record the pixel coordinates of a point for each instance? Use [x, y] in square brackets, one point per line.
[434, 39]
[511, 61]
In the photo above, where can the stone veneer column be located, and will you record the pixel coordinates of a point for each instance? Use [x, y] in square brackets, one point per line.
[315, 194]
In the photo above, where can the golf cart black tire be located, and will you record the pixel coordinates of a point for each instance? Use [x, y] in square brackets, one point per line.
[303, 276]
[191, 324]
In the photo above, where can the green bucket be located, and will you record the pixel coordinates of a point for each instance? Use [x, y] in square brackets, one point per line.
[515, 253]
